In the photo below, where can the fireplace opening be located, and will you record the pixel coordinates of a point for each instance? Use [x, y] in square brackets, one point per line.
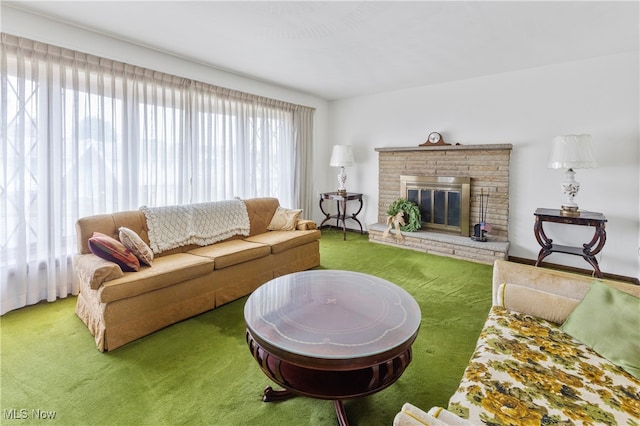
[443, 201]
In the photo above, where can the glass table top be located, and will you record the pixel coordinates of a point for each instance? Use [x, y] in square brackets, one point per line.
[332, 314]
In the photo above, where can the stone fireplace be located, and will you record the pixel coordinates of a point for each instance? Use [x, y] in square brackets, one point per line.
[434, 176]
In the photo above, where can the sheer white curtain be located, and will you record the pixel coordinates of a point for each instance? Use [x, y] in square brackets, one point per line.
[83, 135]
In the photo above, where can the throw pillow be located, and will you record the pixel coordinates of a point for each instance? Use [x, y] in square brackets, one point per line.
[133, 242]
[114, 251]
[531, 301]
[608, 321]
[284, 219]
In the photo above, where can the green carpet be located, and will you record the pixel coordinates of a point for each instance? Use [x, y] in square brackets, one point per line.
[200, 370]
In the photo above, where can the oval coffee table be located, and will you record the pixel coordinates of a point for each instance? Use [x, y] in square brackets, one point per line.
[331, 335]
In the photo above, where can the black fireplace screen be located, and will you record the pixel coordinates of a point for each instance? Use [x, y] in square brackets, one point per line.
[437, 207]
[443, 201]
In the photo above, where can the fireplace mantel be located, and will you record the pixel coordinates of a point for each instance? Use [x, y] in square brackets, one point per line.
[485, 147]
[487, 167]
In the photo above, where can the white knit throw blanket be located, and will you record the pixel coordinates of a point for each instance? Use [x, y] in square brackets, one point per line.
[201, 224]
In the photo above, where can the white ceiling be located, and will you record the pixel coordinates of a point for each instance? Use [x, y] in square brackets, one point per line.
[341, 49]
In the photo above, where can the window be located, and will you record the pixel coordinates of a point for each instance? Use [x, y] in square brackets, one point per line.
[84, 135]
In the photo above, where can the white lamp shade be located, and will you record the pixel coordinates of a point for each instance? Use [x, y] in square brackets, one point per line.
[572, 152]
[341, 156]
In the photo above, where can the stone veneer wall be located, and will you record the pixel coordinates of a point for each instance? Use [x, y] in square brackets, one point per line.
[486, 165]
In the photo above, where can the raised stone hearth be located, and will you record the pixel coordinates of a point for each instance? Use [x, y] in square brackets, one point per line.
[443, 244]
[487, 166]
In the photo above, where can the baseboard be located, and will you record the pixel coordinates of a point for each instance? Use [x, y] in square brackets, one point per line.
[574, 270]
[338, 229]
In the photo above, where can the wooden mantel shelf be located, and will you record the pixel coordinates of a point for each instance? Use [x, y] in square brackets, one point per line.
[484, 147]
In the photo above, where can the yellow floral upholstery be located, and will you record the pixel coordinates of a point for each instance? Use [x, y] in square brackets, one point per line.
[527, 371]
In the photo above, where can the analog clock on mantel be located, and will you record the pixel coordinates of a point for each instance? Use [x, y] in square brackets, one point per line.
[434, 138]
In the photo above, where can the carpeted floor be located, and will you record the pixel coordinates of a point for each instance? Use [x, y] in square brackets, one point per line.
[200, 370]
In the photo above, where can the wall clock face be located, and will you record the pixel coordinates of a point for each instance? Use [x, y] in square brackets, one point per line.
[435, 137]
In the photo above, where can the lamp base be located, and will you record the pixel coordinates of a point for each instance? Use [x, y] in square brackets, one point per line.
[569, 211]
[342, 178]
[570, 188]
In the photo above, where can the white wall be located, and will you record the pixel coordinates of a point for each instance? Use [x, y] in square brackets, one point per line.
[527, 109]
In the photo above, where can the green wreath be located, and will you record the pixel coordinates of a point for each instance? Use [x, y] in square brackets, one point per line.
[411, 211]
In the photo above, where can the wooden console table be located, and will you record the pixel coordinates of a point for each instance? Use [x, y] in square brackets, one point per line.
[341, 203]
[588, 251]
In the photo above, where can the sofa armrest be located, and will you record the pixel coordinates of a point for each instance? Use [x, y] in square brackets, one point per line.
[447, 417]
[410, 415]
[405, 419]
[94, 270]
[306, 225]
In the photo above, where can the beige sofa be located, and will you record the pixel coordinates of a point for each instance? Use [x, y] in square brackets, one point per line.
[556, 348]
[119, 307]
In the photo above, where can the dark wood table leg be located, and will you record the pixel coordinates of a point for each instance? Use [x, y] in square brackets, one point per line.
[353, 216]
[342, 217]
[341, 413]
[272, 395]
[589, 252]
[327, 216]
[545, 242]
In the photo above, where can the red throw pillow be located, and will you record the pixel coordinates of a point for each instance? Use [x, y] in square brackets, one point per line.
[114, 251]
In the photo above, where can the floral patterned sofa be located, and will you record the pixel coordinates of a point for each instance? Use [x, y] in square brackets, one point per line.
[557, 349]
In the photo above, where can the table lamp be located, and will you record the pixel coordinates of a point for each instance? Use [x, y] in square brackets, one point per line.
[341, 156]
[571, 152]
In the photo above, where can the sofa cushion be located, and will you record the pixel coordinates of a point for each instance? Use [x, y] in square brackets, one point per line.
[114, 251]
[260, 211]
[166, 271]
[232, 252]
[549, 306]
[608, 321]
[284, 240]
[526, 370]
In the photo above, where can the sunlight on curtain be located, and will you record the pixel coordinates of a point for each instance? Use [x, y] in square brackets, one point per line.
[234, 131]
[83, 135]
